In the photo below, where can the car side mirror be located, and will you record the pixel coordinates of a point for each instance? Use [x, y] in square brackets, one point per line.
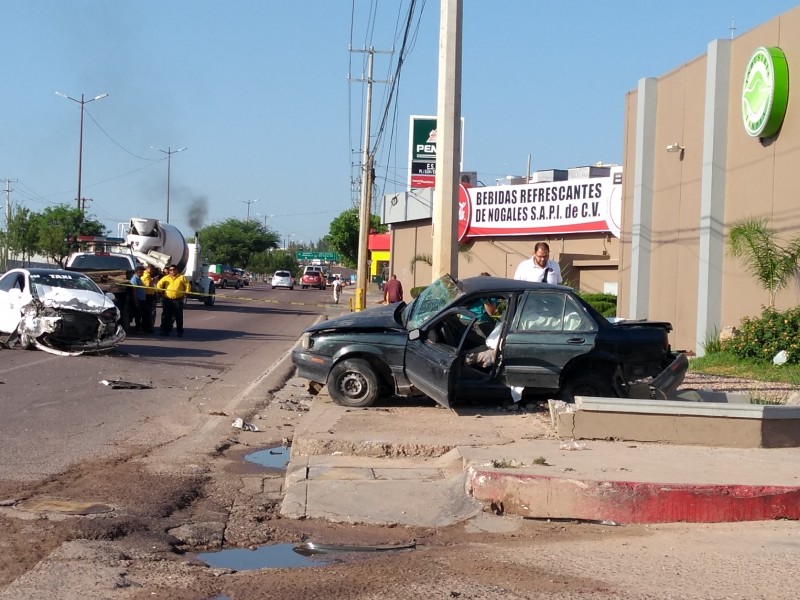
[15, 293]
[110, 296]
[414, 334]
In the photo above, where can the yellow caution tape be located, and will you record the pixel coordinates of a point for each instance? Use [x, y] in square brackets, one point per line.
[243, 298]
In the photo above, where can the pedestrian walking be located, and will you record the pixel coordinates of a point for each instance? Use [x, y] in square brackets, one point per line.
[539, 267]
[393, 290]
[174, 287]
[139, 298]
[337, 289]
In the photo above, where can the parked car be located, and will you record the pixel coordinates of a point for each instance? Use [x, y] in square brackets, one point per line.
[283, 279]
[223, 276]
[550, 341]
[244, 276]
[314, 279]
[58, 311]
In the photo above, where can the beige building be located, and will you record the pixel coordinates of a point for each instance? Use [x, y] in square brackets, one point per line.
[691, 170]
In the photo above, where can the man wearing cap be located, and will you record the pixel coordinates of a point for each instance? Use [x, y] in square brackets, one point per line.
[139, 298]
[174, 287]
[539, 267]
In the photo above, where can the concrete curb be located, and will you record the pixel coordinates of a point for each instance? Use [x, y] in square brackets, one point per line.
[631, 501]
[387, 454]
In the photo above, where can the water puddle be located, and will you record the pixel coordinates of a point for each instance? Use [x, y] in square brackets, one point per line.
[275, 556]
[272, 458]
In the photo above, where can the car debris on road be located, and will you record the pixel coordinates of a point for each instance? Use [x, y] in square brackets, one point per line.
[118, 384]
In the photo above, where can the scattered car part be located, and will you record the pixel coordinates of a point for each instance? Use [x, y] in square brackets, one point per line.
[118, 384]
[309, 548]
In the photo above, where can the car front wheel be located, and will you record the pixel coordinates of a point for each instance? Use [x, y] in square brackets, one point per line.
[353, 383]
[597, 386]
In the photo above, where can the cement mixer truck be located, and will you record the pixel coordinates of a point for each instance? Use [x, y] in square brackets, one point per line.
[160, 244]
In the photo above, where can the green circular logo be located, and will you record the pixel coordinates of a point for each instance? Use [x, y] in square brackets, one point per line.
[765, 92]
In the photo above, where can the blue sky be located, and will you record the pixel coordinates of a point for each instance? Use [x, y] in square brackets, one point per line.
[258, 93]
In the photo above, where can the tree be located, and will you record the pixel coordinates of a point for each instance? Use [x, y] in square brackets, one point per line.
[770, 262]
[235, 241]
[464, 250]
[23, 232]
[343, 234]
[58, 229]
[269, 262]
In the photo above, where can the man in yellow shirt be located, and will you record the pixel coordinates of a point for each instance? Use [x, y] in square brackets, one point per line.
[149, 279]
[173, 286]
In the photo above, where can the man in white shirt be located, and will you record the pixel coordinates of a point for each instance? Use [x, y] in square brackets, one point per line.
[539, 267]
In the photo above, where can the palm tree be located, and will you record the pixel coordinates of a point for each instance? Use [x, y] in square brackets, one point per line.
[771, 263]
[464, 250]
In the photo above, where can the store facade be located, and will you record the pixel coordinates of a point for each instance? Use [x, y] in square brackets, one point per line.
[576, 211]
[699, 156]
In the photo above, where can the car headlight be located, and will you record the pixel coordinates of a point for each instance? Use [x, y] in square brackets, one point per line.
[306, 341]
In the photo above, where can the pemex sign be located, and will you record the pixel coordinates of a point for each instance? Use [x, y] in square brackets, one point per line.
[765, 92]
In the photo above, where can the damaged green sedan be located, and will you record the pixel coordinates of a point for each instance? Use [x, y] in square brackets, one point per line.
[543, 339]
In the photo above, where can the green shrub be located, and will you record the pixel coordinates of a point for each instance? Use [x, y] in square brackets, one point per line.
[761, 338]
[605, 304]
[712, 344]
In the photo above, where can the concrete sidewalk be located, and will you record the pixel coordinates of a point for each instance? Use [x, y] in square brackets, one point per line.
[418, 465]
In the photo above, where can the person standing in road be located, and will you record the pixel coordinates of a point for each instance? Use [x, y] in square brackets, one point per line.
[139, 297]
[149, 279]
[174, 287]
[393, 290]
[337, 288]
[539, 267]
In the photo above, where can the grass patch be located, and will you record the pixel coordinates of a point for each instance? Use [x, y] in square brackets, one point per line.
[505, 463]
[727, 364]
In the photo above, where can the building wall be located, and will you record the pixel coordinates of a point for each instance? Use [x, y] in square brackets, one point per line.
[760, 179]
[588, 262]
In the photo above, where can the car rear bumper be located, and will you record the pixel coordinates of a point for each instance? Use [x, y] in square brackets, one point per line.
[668, 381]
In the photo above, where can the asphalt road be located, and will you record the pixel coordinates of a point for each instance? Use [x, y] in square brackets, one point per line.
[55, 412]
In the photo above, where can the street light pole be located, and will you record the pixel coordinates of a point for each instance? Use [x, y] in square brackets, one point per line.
[265, 218]
[249, 202]
[169, 152]
[82, 102]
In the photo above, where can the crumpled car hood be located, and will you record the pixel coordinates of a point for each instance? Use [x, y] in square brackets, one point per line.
[82, 300]
[380, 318]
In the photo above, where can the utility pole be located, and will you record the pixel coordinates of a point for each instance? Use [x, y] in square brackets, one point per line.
[448, 146]
[82, 102]
[169, 152]
[365, 209]
[8, 221]
[366, 201]
[249, 202]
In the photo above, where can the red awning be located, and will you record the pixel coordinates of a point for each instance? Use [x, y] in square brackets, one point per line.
[379, 241]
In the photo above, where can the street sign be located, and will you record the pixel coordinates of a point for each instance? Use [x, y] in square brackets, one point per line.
[326, 256]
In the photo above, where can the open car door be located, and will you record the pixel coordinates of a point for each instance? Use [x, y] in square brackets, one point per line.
[434, 354]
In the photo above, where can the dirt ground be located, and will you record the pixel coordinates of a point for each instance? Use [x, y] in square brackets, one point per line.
[137, 531]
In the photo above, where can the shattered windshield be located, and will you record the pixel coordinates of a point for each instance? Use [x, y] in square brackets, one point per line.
[433, 299]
